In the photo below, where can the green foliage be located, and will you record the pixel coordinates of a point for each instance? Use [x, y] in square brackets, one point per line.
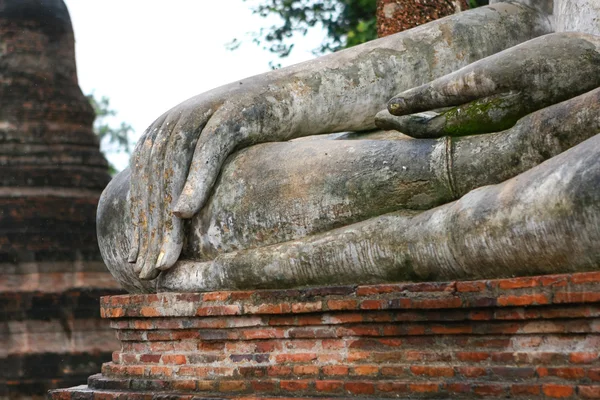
[346, 23]
[112, 140]
[478, 3]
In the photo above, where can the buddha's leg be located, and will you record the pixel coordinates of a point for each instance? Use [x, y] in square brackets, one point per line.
[266, 195]
[277, 192]
[546, 220]
[337, 92]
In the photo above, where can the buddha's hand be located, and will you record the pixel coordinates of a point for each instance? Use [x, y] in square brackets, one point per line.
[174, 167]
[490, 95]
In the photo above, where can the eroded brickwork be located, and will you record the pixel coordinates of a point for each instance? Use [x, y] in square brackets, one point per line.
[395, 16]
[51, 176]
[523, 338]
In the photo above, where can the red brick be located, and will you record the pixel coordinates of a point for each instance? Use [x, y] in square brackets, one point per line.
[173, 359]
[112, 312]
[506, 373]
[294, 386]
[328, 386]
[143, 324]
[424, 387]
[393, 371]
[208, 311]
[451, 330]
[335, 370]
[557, 391]
[216, 296]
[307, 307]
[232, 386]
[244, 295]
[523, 300]
[306, 370]
[263, 386]
[583, 358]
[375, 290]
[279, 370]
[184, 335]
[589, 392]
[474, 286]
[344, 318]
[359, 387]
[553, 280]
[160, 371]
[458, 387]
[266, 333]
[150, 358]
[517, 283]
[184, 385]
[366, 370]
[373, 304]
[329, 358]
[481, 315]
[453, 302]
[525, 389]
[205, 386]
[342, 304]
[472, 356]
[295, 358]
[576, 297]
[471, 372]
[392, 387]
[432, 371]
[159, 336]
[594, 374]
[488, 389]
[586, 277]
[564, 372]
[149, 312]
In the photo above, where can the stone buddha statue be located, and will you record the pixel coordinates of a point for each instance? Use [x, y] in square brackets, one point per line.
[464, 148]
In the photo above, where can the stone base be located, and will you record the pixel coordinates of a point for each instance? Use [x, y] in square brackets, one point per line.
[522, 338]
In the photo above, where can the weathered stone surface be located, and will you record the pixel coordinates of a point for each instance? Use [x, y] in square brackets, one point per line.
[342, 91]
[51, 176]
[523, 338]
[314, 212]
[395, 16]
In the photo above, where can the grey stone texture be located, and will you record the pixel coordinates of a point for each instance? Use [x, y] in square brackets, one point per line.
[496, 175]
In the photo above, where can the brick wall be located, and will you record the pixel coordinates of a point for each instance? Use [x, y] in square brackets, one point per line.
[51, 177]
[523, 338]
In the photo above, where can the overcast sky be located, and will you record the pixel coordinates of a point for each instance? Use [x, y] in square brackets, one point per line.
[149, 55]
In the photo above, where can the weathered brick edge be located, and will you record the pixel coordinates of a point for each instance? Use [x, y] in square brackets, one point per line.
[529, 291]
[522, 338]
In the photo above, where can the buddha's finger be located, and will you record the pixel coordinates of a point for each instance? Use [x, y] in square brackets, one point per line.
[134, 227]
[217, 141]
[550, 69]
[157, 204]
[141, 187]
[178, 158]
[486, 115]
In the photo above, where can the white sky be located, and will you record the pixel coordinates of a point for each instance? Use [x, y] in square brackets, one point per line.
[149, 55]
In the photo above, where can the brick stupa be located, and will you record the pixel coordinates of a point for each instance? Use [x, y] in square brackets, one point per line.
[395, 16]
[51, 176]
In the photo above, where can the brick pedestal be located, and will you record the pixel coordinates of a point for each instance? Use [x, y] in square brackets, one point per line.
[524, 338]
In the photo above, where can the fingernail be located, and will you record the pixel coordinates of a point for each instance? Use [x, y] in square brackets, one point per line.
[182, 211]
[132, 258]
[161, 255]
[396, 105]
